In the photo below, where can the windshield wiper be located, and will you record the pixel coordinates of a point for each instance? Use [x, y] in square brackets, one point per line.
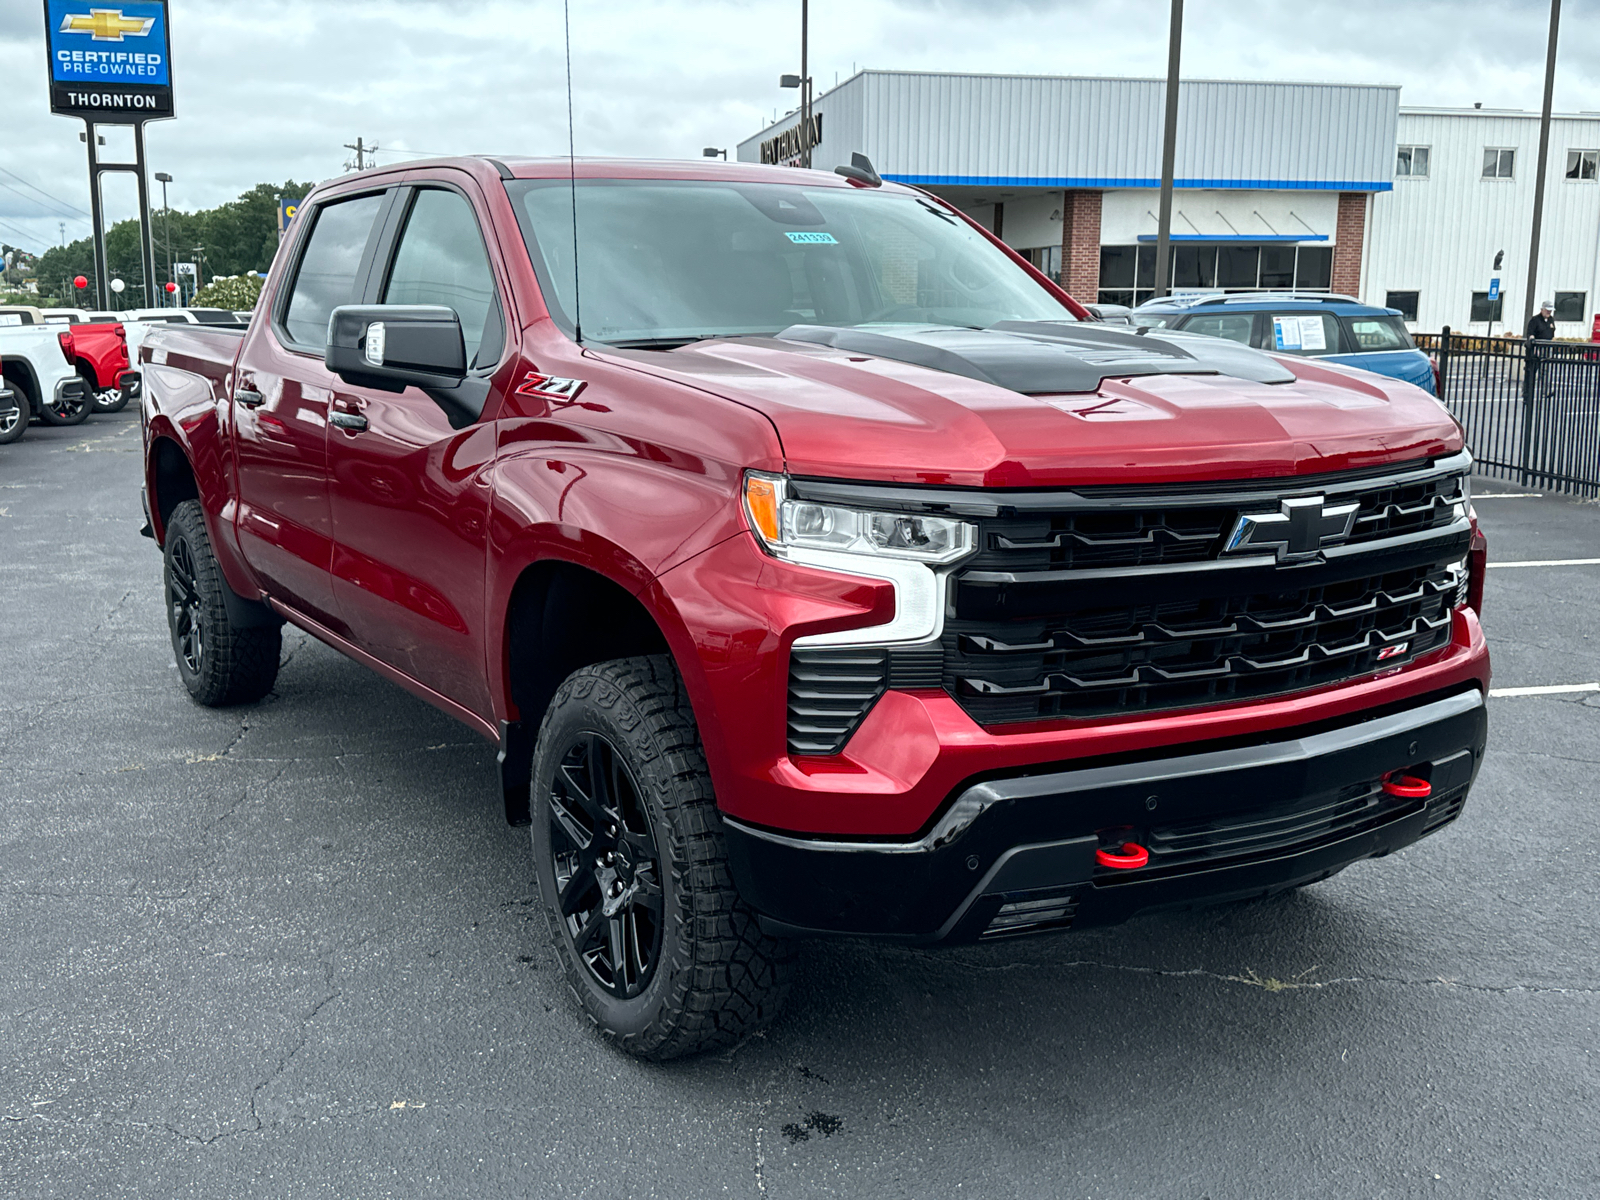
[673, 343]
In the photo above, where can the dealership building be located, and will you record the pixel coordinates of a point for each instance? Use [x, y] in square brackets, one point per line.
[1319, 187]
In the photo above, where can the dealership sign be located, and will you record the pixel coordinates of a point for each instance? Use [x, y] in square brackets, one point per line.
[792, 142]
[109, 63]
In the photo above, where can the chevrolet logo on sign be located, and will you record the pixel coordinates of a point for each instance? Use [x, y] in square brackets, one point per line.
[1298, 530]
[106, 24]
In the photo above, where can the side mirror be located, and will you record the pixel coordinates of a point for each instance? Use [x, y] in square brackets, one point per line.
[395, 346]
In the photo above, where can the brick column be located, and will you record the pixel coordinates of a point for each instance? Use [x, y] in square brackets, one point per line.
[1080, 245]
[1350, 234]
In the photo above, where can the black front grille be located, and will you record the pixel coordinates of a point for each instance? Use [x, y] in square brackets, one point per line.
[1120, 603]
[1092, 659]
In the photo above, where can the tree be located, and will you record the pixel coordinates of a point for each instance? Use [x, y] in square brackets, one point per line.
[238, 236]
[236, 293]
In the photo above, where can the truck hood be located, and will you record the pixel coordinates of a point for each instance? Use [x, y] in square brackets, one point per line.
[1036, 404]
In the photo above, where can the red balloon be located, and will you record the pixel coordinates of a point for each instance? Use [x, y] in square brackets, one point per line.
[172, 287]
[80, 282]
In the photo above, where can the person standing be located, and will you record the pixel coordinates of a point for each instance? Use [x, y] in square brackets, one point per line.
[1541, 328]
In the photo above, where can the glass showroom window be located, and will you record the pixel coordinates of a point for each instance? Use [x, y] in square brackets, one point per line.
[1499, 163]
[1583, 166]
[1570, 306]
[1483, 311]
[1411, 162]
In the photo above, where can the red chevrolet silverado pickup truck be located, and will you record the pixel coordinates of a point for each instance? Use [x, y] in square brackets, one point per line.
[817, 565]
[99, 350]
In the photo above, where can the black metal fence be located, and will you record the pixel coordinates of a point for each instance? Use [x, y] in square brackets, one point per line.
[1531, 410]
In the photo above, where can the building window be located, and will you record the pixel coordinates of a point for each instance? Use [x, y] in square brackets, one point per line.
[1483, 311]
[1412, 162]
[1583, 166]
[1499, 163]
[1048, 260]
[1570, 305]
[1406, 302]
[1128, 273]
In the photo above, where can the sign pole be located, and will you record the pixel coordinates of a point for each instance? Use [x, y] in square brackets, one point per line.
[147, 250]
[102, 285]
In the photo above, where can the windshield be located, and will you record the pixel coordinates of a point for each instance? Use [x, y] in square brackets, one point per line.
[670, 261]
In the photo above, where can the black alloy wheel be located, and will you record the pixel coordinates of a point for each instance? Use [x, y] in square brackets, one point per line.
[185, 611]
[657, 947]
[72, 407]
[13, 417]
[220, 660]
[607, 867]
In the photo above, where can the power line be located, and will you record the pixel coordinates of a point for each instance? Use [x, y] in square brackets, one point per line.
[32, 200]
[19, 233]
[392, 150]
[362, 150]
[46, 194]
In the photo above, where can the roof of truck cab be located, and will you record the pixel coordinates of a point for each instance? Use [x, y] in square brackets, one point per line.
[488, 166]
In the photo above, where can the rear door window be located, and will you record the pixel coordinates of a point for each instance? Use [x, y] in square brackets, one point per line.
[330, 268]
[1310, 333]
[441, 260]
[1370, 334]
[1235, 326]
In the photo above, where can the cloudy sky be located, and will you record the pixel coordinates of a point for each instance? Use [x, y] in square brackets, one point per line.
[272, 89]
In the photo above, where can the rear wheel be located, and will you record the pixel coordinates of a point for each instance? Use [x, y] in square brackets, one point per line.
[657, 947]
[106, 400]
[13, 417]
[219, 664]
[69, 408]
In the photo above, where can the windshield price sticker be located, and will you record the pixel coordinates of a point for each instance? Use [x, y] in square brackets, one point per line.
[1298, 333]
[819, 239]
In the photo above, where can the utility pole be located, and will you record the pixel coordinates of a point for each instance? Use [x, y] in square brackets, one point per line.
[1169, 154]
[805, 85]
[362, 151]
[1544, 153]
[63, 226]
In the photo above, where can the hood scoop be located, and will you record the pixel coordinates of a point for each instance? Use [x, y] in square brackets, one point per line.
[1037, 358]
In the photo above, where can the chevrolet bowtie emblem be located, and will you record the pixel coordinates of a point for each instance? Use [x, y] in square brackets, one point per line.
[1299, 528]
[106, 24]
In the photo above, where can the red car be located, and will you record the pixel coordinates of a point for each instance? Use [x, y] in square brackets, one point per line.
[818, 565]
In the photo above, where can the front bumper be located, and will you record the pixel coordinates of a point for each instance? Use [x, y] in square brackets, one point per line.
[1016, 854]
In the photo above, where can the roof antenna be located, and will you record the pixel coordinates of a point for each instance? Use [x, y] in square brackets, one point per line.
[572, 181]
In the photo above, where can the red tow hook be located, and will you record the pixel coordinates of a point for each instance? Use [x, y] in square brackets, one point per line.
[1407, 787]
[1130, 857]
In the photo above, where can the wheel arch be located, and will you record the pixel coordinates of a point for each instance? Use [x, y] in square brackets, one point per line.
[18, 369]
[562, 614]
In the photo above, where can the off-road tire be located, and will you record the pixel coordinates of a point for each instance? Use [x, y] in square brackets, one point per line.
[717, 978]
[232, 666]
[14, 418]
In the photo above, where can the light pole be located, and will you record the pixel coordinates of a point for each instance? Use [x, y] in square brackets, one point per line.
[166, 218]
[1169, 149]
[712, 152]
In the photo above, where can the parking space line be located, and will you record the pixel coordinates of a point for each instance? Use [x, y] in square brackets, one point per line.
[1555, 690]
[1509, 496]
[1549, 562]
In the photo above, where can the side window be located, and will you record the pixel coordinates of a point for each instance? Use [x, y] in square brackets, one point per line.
[441, 260]
[1233, 326]
[1378, 333]
[327, 274]
[1304, 333]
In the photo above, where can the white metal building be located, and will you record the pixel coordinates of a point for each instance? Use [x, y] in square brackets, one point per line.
[1314, 186]
[1463, 192]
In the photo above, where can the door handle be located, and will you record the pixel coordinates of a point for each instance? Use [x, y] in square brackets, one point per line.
[249, 397]
[347, 420]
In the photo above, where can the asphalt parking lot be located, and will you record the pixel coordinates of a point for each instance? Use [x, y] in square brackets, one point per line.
[290, 950]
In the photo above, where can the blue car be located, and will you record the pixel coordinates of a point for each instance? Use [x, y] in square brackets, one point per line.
[1338, 328]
